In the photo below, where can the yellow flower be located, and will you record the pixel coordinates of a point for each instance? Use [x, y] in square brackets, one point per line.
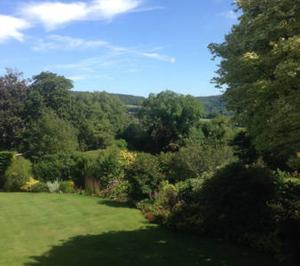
[29, 184]
[127, 157]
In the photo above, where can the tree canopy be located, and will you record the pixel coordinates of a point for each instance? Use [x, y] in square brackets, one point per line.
[260, 67]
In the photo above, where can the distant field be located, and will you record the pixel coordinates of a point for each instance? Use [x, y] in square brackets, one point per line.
[58, 229]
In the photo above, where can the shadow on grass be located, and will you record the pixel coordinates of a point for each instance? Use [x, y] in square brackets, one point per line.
[152, 246]
[115, 204]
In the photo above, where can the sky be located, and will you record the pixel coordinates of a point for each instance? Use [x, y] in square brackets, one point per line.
[121, 46]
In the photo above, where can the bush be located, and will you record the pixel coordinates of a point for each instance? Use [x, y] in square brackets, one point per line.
[53, 186]
[39, 187]
[67, 186]
[194, 160]
[235, 201]
[5, 161]
[144, 176]
[17, 174]
[62, 167]
[160, 209]
[29, 185]
[116, 190]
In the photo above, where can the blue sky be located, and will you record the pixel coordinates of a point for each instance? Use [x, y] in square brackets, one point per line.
[121, 46]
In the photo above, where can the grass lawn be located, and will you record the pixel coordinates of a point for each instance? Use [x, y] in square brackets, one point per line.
[56, 229]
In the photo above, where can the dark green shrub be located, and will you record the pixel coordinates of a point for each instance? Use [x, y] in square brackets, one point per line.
[160, 208]
[67, 187]
[40, 187]
[17, 174]
[144, 177]
[116, 190]
[105, 167]
[5, 161]
[235, 201]
[194, 160]
[61, 167]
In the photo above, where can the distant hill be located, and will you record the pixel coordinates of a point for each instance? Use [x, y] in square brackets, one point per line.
[129, 99]
[213, 105]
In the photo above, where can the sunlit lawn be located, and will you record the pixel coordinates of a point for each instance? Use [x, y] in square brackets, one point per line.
[57, 229]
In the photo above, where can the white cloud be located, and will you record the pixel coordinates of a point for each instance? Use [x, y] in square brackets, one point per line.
[12, 27]
[77, 77]
[62, 42]
[55, 14]
[160, 57]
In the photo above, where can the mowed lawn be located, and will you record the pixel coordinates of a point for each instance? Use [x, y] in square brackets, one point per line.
[59, 229]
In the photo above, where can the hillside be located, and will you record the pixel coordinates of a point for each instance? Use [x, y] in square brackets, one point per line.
[213, 105]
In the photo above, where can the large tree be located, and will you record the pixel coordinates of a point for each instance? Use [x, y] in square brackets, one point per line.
[168, 118]
[260, 67]
[13, 93]
[48, 135]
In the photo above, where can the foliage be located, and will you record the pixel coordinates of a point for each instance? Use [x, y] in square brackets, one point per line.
[30, 184]
[13, 93]
[228, 205]
[49, 135]
[144, 176]
[162, 204]
[17, 174]
[39, 187]
[168, 117]
[54, 91]
[106, 167]
[213, 106]
[98, 117]
[53, 186]
[116, 190]
[194, 160]
[244, 148]
[260, 66]
[5, 161]
[67, 186]
[62, 167]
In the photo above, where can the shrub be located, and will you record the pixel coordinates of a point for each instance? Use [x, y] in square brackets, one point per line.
[17, 174]
[53, 186]
[194, 160]
[67, 186]
[28, 186]
[39, 187]
[105, 167]
[116, 190]
[5, 161]
[235, 201]
[144, 177]
[61, 167]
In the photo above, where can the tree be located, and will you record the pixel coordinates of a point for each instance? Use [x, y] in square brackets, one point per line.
[13, 93]
[48, 135]
[99, 118]
[260, 67]
[53, 92]
[168, 118]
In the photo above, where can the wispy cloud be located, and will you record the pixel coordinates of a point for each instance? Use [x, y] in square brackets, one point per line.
[12, 28]
[77, 77]
[61, 42]
[55, 14]
[160, 57]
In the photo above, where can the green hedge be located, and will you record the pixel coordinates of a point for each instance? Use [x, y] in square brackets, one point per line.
[5, 160]
[17, 174]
